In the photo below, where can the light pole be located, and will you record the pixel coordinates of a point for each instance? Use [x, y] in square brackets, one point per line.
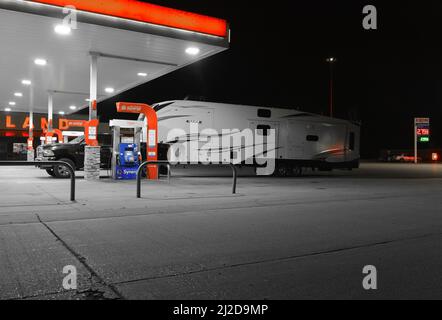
[331, 61]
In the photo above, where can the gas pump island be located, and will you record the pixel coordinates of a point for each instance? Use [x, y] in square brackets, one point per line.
[126, 148]
[127, 139]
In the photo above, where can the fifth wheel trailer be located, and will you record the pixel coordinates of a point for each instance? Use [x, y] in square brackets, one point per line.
[303, 140]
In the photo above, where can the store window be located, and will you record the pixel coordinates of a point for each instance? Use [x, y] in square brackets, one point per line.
[312, 138]
[264, 113]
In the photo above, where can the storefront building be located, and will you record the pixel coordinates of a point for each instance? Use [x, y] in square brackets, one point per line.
[14, 131]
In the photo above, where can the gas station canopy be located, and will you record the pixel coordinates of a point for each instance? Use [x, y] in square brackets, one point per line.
[134, 42]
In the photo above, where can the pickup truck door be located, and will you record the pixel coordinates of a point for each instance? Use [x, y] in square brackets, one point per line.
[79, 154]
[106, 156]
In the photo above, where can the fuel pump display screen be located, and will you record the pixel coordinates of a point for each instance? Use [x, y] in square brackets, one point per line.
[129, 156]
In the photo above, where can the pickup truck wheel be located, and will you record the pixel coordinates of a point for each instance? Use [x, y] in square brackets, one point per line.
[61, 172]
[51, 172]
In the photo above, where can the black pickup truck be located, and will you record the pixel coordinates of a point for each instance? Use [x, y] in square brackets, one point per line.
[72, 153]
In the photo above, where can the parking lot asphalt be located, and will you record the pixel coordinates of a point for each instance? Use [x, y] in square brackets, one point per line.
[278, 238]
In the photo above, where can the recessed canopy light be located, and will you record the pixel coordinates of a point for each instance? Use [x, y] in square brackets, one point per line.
[7, 109]
[87, 100]
[73, 107]
[12, 103]
[61, 113]
[193, 51]
[109, 90]
[142, 74]
[62, 29]
[26, 82]
[18, 94]
[40, 62]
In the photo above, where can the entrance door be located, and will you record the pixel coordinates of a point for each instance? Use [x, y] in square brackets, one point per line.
[3, 151]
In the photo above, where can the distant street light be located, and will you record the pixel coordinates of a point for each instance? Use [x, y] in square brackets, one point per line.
[331, 61]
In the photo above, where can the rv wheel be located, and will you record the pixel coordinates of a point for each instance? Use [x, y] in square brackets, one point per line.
[297, 171]
[282, 171]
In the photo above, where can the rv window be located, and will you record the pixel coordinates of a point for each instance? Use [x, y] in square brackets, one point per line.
[263, 113]
[263, 129]
[351, 144]
[313, 138]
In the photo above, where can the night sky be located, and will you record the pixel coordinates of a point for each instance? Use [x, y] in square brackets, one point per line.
[383, 78]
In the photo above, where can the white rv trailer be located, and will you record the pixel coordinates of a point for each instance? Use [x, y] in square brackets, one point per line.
[303, 140]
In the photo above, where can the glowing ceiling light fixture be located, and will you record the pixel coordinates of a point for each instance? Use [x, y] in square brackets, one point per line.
[12, 103]
[73, 107]
[109, 90]
[8, 110]
[62, 113]
[142, 74]
[18, 94]
[62, 29]
[26, 82]
[40, 62]
[193, 51]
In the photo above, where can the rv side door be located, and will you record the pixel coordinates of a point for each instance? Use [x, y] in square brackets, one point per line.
[262, 129]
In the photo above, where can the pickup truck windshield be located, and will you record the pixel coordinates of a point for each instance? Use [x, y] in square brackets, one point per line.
[157, 107]
[77, 140]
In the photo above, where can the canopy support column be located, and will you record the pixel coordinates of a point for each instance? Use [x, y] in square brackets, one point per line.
[93, 90]
[92, 152]
[50, 118]
[31, 154]
[50, 111]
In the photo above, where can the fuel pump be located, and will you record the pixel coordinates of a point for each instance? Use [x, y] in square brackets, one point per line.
[152, 133]
[127, 161]
[126, 155]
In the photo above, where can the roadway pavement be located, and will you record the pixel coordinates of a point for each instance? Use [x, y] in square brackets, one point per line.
[278, 238]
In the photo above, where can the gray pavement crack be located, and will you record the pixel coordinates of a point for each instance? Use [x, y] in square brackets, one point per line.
[83, 261]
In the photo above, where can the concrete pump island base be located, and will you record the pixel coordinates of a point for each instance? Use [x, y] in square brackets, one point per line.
[278, 238]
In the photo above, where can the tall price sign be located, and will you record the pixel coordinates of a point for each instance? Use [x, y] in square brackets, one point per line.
[421, 134]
